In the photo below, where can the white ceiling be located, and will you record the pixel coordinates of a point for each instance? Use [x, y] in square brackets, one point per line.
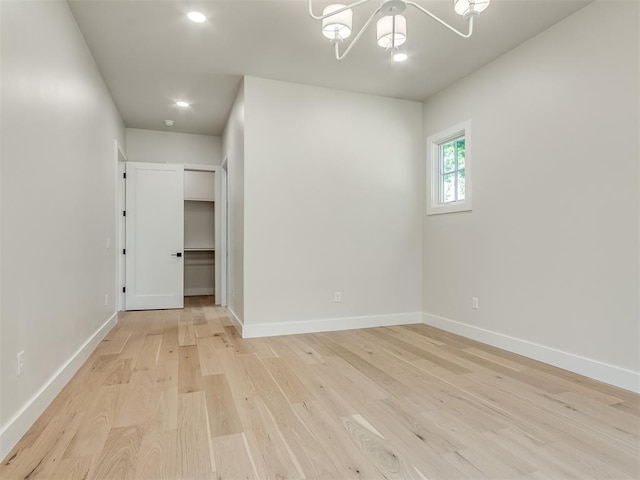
[151, 55]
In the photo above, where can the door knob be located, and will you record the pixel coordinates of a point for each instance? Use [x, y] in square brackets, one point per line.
[179, 254]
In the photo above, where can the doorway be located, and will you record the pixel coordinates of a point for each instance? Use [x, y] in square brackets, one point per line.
[224, 237]
[164, 210]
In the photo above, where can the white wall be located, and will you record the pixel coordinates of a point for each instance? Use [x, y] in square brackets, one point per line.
[170, 147]
[332, 203]
[551, 246]
[233, 151]
[59, 127]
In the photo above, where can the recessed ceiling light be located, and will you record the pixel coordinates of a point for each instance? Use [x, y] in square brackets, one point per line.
[196, 17]
[400, 57]
[169, 123]
[183, 104]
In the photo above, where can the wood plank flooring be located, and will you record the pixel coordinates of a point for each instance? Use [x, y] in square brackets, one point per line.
[179, 395]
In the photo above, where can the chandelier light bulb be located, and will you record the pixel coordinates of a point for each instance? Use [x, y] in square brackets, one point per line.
[392, 31]
[400, 57]
[196, 17]
[338, 26]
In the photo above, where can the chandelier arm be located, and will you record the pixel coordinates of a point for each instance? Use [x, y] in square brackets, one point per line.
[335, 12]
[463, 35]
[356, 38]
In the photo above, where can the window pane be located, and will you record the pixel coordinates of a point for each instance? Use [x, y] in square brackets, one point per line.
[461, 151]
[448, 188]
[447, 154]
[461, 184]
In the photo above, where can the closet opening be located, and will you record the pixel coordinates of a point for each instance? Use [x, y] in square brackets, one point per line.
[199, 237]
[173, 249]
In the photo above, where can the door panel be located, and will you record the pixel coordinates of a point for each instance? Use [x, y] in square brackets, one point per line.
[155, 236]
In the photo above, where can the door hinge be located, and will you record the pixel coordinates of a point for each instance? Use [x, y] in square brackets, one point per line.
[124, 251]
[124, 289]
[124, 175]
[124, 213]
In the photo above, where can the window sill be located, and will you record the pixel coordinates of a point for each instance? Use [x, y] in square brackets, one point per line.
[449, 208]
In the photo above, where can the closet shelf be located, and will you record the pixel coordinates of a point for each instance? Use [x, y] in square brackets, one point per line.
[205, 249]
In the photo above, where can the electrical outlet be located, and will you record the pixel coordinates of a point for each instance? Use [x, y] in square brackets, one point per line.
[337, 297]
[20, 362]
[106, 299]
[475, 303]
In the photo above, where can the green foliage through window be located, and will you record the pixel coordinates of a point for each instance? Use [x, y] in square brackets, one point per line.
[452, 170]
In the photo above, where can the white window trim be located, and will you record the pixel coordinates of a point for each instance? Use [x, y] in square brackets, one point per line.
[434, 206]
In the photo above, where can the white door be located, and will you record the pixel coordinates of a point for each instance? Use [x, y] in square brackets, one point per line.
[154, 236]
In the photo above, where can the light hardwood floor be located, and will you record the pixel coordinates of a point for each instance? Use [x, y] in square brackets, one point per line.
[179, 395]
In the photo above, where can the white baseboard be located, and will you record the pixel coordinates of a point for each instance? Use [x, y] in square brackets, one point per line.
[193, 292]
[236, 321]
[328, 325]
[617, 376]
[17, 426]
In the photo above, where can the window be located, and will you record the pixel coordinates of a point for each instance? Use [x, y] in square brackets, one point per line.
[452, 170]
[449, 171]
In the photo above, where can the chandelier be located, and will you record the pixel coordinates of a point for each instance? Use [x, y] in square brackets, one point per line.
[391, 26]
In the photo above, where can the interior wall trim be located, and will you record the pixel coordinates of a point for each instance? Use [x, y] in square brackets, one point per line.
[236, 321]
[195, 292]
[19, 424]
[328, 325]
[604, 372]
